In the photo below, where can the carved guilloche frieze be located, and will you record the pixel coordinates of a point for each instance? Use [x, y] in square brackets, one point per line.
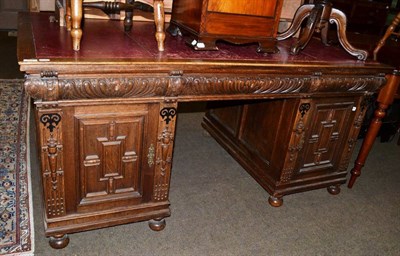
[179, 84]
[346, 84]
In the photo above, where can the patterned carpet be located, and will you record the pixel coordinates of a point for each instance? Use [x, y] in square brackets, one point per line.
[16, 222]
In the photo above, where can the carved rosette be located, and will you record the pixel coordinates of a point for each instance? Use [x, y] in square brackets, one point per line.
[177, 84]
[165, 144]
[297, 141]
[52, 162]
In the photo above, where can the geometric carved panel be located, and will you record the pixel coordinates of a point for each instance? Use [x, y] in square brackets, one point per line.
[330, 123]
[109, 149]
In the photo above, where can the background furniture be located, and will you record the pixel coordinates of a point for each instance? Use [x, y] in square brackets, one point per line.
[74, 13]
[106, 118]
[318, 16]
[203, 22]
[386, 97]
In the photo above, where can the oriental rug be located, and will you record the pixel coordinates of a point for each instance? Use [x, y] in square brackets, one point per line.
[16, 217]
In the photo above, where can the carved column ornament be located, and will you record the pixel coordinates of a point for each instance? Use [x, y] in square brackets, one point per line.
[354, 131]
[297, 141]
[165, 145]
[52, 163]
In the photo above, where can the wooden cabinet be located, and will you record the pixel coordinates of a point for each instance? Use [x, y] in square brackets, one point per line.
[313, 153]
[103, 164]
[203, 22]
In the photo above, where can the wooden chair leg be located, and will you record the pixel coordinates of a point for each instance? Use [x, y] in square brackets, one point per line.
[389, 31]
[76, 19]
[159, 19]
[385, 98]
[68, 15]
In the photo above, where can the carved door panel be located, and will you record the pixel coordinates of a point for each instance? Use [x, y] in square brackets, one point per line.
[330, 122]
[113, 150]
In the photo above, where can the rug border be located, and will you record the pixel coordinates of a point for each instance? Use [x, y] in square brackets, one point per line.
[28, 168]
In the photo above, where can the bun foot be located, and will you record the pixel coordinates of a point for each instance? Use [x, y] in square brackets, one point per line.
[333, 190]
[157, 224]
[59, 241]
[275, 201]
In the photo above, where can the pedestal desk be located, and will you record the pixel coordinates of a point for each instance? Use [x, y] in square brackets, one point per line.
[105, 117]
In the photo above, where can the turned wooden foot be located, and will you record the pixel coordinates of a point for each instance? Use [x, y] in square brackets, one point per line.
[157, 224]
[59, 241]
[275, 201]
[334, 189]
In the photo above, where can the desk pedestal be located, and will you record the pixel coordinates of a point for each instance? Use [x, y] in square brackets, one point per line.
[290, 145]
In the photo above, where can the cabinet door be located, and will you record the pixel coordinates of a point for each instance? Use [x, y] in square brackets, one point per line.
[113, 145]
[330, 122]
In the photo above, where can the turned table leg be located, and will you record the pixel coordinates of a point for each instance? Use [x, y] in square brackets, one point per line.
[59, 241]
[385, 98]
[76, 18]
[159, 19]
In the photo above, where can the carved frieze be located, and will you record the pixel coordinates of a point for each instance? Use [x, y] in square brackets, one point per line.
[95, 88]
[346, 84]
[55, 88]
[243, 85]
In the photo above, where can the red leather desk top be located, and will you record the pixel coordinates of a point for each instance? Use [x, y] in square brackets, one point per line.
[106, 40]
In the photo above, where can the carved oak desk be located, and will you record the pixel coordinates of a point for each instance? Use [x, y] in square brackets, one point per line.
[106, 116]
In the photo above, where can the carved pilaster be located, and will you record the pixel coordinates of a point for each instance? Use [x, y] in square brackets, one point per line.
[296, 141]
[361, 108]
[165, 144]
[50, 123]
